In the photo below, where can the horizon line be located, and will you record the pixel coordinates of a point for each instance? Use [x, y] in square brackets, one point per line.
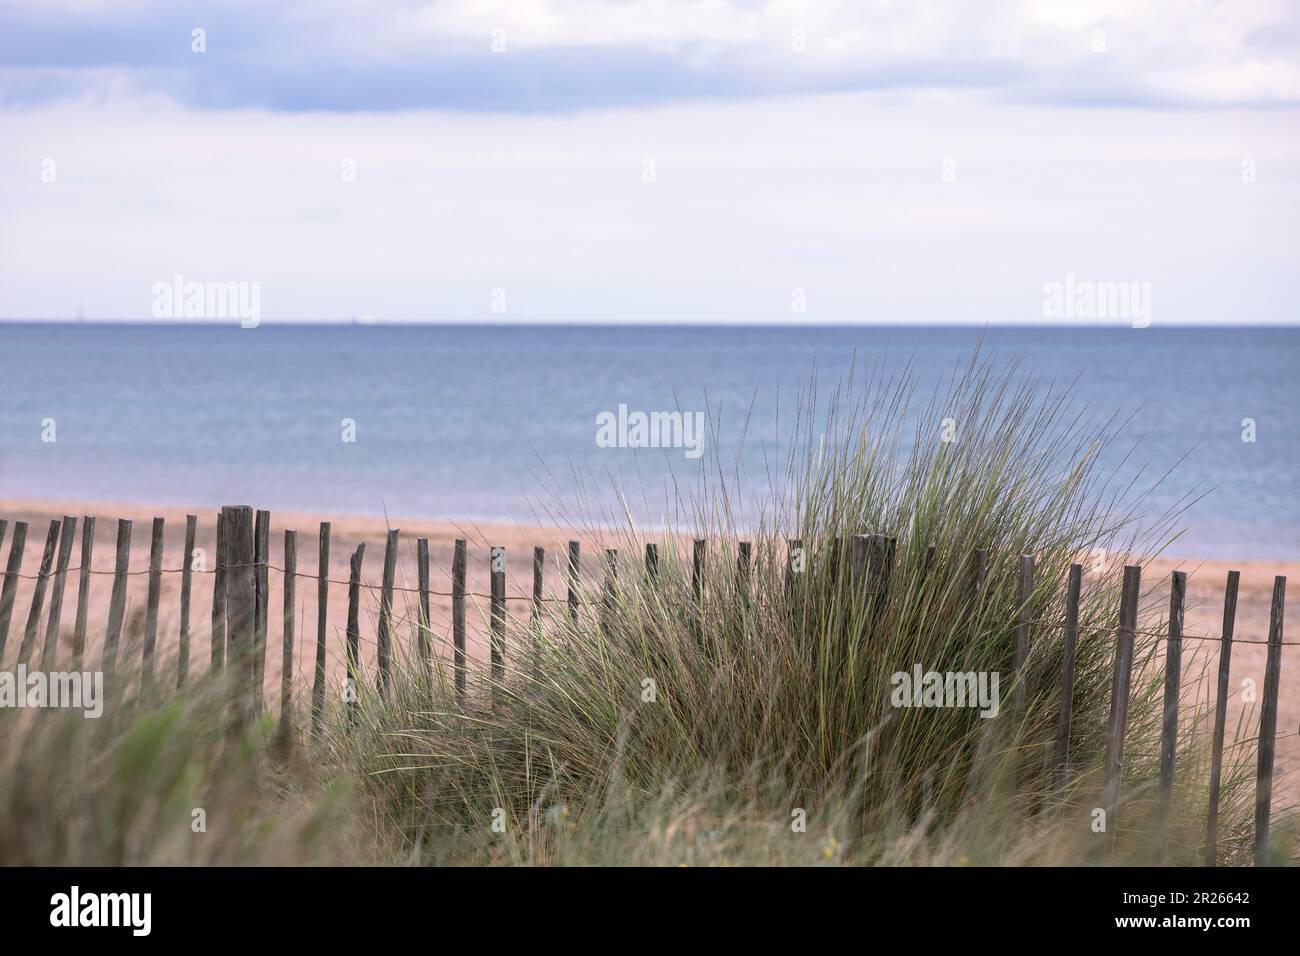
[641, 323]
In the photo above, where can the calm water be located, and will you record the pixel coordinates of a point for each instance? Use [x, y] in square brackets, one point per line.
[492, 423]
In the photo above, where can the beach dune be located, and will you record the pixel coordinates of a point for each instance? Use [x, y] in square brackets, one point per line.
[1203, 618]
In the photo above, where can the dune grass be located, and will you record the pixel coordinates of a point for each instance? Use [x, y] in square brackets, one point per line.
[749, 723]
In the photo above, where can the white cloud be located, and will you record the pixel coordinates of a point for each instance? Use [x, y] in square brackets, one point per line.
[839, 195]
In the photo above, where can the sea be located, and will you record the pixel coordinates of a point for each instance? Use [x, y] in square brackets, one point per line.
[532, 423]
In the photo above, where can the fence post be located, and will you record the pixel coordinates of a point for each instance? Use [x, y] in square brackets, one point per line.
[1173, 681]
[1070, 642]
[12, 569]
[83, 591]
[575, 554]
[697, 574]
[385, 637]
[880, 565]
[322, 626]
[422, 630]
[652, 562]
[187, 583]
[1220, 717]
[353, 690]
[67, 534]
[261, 560]
[497, 561]
[795, 563]
[539, 568]
[117, 603]
[744, 566]
[458, 617]
[609, 591]
[1268, 722]
[241, 606]
[1119, 692]
[217, 633]
[151, 603]
[857, 561]
[1018, 691]
[290, 605]
[38, 593]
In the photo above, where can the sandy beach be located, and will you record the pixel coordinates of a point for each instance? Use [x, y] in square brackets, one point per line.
[1204, 612]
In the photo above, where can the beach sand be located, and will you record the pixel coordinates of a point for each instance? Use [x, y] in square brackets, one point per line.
[1204, 612]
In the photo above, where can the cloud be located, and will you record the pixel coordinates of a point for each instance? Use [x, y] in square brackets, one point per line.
[846, 197]
[556, 55]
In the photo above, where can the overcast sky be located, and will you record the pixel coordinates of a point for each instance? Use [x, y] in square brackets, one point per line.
[650, 161]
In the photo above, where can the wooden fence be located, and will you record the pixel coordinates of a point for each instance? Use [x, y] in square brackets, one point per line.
[240, 608]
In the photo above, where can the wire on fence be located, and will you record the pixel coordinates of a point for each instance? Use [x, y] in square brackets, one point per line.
[589, 603]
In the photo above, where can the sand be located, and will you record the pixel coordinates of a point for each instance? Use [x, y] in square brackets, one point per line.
[1203, 615]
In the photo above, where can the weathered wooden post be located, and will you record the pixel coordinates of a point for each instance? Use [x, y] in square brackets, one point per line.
[290, 606]
[698, 557]
[795, 563]
[151, 603]
[117, 602]
[13, 568]
[1023, 627]
[858, 546]
[218, 629]
[880, 565]
[351, 695]
[697, 572]
[423, 643]
[67, 537]
[575, 580]
[384, 651]
[1119, 693]
[609, 594]
[652, 562]
[458, 617]
[744, 567]
[38, 593]
[241, 606]
[322, 626]
[1220, 717]
[1268, 722]
[497, 568]
[539, 568]
[261, 560]
[1070, 642]
[83, 591]
[187, 583]
[1173, 682]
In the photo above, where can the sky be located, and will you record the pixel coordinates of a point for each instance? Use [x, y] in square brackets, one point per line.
[639, 161]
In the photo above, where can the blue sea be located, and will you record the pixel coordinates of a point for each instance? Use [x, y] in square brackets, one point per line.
[499, 422]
